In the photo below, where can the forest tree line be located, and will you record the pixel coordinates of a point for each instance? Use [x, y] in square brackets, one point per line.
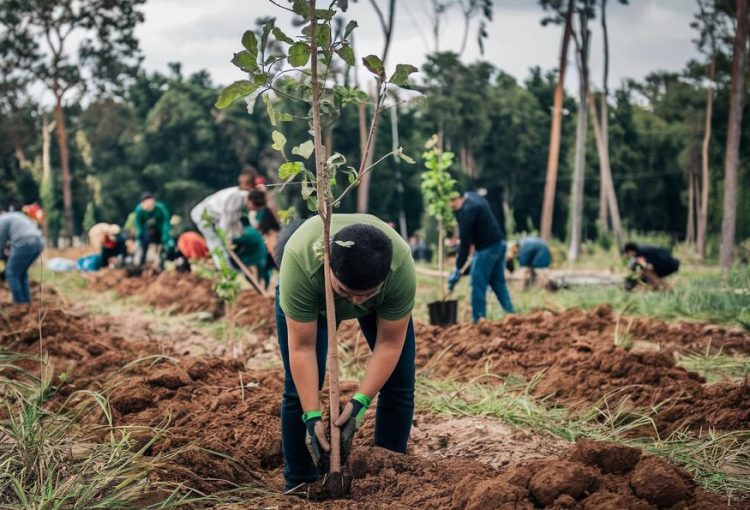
[159, 131]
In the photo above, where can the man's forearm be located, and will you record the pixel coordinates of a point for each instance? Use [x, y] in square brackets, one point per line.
[304, 366]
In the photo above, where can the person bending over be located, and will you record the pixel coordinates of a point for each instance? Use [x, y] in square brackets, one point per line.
[478, 226]
[374, 281]
[649, 265]
[532, 253]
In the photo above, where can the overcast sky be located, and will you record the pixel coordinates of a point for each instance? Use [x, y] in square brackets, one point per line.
[644, 36]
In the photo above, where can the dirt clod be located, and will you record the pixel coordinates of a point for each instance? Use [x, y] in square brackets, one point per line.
[562, 478]
[661, 484]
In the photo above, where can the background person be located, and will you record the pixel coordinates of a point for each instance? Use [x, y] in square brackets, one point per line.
[652, 262]
[264, 220]
[477, 226]
[374, 280]
[151, 227]
[532, 253]
[223, 210]
[26, 244]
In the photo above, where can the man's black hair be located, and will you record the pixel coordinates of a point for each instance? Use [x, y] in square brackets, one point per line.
[249, 172]
[257, 198]
[361, 256]
[630, 247]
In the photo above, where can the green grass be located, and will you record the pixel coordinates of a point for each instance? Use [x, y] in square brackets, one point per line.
[720, 462]
[716, 367]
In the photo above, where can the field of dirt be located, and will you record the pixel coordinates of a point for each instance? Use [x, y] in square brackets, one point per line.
[214, 408]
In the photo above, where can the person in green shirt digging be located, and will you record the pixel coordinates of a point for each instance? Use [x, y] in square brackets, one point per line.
[374, 281]
[151, 226]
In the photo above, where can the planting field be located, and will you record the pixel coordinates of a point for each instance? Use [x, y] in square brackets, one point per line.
[578, 409]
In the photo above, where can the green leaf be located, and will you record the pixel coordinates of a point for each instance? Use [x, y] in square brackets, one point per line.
[245, 61]
[290, 169]
[250, 42]
[326, 14]
[345, 244]
[305, 149]
[281, 36]
[279, 141]
[236, 90]
[312, 204]
[323, 35]
[269, 109]
[346, 53]
[308, 188]
[401, 75]
[375, 66]
[299, 53]
[404, 157]
[284, 117]
[349, 27]
[334, 161]
[352, 174]
[301, 8]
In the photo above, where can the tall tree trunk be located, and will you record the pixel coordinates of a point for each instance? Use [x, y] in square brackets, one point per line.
[397, 161]
[553, 155]
[603, 202]
[46, 187]
[690, 228]
[67, 186]
[736, 98]
[579, 172]
[705, 178]
[606, 174]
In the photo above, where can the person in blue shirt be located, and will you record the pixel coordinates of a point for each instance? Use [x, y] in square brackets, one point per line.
[478, 226]
[25, 243]
[532, 253]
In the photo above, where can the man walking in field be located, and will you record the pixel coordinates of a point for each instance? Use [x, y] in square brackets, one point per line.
[374, 281]
[477, 226]
[223, 211]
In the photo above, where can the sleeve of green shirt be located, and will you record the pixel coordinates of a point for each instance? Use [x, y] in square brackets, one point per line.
[297, 295]
[138, 221]
[165, 226]
[399, 301]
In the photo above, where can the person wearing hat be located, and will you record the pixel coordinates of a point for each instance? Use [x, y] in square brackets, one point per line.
[151, 226]
[532, 253]
[221, 213]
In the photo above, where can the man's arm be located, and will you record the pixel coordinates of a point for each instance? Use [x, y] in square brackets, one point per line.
[4, 228]
[165, 226]
[303, 362]
[464, 235]
[385, 356]
[138, 223]
[231, 212]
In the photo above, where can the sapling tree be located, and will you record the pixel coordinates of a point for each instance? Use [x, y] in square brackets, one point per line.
[437, 191]
[301, 74]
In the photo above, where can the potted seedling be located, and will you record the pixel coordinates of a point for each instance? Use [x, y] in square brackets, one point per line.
[438, 190]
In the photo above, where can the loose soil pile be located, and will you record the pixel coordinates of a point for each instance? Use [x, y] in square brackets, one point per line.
[214, 409]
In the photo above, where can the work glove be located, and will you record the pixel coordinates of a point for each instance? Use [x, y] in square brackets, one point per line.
[453, 279]
[315, 440]
[350, 420]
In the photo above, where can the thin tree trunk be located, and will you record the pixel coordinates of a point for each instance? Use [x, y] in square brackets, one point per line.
[690, 228]
[553, 155]
[705, 177]
[62, 142]
[46, 184]
[606, 174]
[324, 209]
[397, 162]
[603, 201]
[736, 98]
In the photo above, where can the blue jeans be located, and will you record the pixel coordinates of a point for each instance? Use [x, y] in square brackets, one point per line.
[488, 268]
[17, 269]
[395, 407]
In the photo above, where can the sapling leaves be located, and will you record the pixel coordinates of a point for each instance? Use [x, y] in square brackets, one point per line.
[305, 149]
[250, 42]
[290, 170]
[375, 66]
[301, 8]
[238, 89]
[401, 75]
[279, 141]
[405, 158]
[299, 54]
[346, 53]
[349, 27]
[246, 61]
[267, 27]
[281, 36]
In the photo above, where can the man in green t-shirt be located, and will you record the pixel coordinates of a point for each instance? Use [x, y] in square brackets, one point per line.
[374, 281]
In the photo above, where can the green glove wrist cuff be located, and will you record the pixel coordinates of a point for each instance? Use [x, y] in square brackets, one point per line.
[309, 415]
[362, 399]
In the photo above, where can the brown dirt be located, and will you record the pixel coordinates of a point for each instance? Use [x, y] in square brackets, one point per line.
[213, 405]
[575, 354]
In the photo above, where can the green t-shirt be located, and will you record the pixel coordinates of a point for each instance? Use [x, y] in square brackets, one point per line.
[301, 285]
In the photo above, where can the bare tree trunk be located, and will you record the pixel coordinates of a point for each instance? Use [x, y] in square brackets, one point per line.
[705, 177]
[553, 155]
[736, 98]
[67, 187]
[607, 183]
[46, 184]
[397, 162]
[603, 216]
[690, 228]
[324, 209]
[576, 202]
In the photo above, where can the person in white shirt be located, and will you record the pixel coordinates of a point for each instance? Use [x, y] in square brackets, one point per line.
[223, 210]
